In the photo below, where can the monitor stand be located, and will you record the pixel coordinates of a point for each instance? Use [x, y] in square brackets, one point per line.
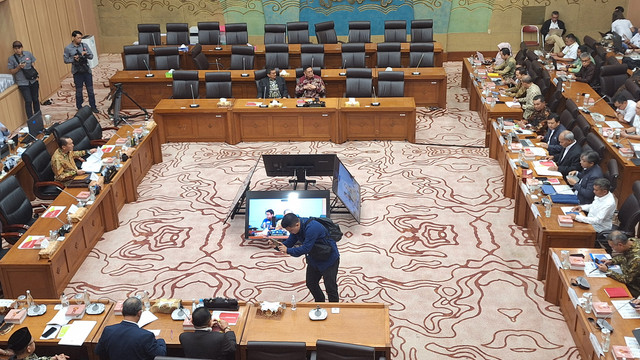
[301, 177]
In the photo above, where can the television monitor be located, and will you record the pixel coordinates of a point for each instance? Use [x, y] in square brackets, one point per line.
[237, 200]
[304, 203]
[346, 189]
[299, 165]
[35, 126]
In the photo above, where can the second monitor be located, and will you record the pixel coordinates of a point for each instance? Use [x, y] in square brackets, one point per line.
[300, 166]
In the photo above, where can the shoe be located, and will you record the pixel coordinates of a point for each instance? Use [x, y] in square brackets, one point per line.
[95, 110]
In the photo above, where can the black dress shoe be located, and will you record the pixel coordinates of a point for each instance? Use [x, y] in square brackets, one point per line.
[95, 110]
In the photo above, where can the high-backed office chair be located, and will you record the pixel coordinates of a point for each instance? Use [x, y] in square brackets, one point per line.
[567, 119]
[73, 129]
[582, 122]
[359, 83]
[242, 57]
[276, 56]
[333, 350]
[629, 212]
[237, 34]
[312, 55]
[530, 30]
[353, 56]
[300, 72]
[136, 57]
[578, 134]
[16, 212]
[544, 84]
[536, 69]
[391, 84]
[326, 33]
[298, 32]
[596, 144]
[275, 34]
[421, 55]
[556, 99]
[521, 55]
[149, 34]
[177, 34]
[259, 75]
[612, 173]
[218, 85]
[611, 78]
[634, 90]
[38, 162]
[199, 58]
[185, 84]
[209, 33]
[167, 58]
[359, 31]
[276, 350]
[395, 31]
[422, 31]
[572, 107]
[388, 55]
[92, 126]
[590, 42]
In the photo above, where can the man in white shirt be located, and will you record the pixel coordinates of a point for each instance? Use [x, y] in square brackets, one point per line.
[4, 132]
[625, 108]
[600, 211]
[570, 52]
[632, 132]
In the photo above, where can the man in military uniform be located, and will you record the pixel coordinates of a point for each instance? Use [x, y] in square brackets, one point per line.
[626, 253]
[538, 118]
[508, 67]
[63, 160]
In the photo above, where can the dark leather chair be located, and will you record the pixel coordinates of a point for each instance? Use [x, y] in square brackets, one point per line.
[92, 126]
[300, 72]
[136, 57]
[536, 68]
[596, 144]
[242, 57]
[177, 34]
[185, 84]
[590, 42]
[218, 85]
[629, 212]
[209, 33]
[422, 31]
[333, 350]
[612, 173]
[388, 55]
[149, 34]
[611, 78]
[326, 33]
[199, 58]
[421, 55]
[312, 55]
[236, 34]
[632, 87]
[544, 84]
[578, 134]
[353, 56]
[395, 31]
[276, 350]
[531, 55]
[359, 31]
[259, 75]
[276, 56]
[298, 32]
[583, 124]
[567, 119]
[521, 55]
[556, 99]
[391, 84]
[572, 107]
[38, 162]
[359, 83]
[167, 58]
[73, 129]
[16, 212]
[275, 34]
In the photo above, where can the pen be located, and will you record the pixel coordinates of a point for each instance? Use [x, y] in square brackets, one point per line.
[171, 334]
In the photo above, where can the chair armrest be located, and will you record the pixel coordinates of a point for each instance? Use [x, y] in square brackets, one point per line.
[38, 210]
[99, 142]
[50, 183]
[111, 128]
[16, 227]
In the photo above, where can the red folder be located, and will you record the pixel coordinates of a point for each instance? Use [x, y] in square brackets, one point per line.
[617, 292]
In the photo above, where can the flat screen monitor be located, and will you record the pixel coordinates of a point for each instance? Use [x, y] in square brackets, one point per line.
[346, 189]
[293, 165]
[303, 203]
[35, 124]
[237, 200]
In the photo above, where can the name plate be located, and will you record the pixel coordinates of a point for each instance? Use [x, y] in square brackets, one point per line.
[555, 81]
[534, 210]
[495, 125]
[596, 344]
[512, 164]
[525, 190]
[556, 260]
[573, 297]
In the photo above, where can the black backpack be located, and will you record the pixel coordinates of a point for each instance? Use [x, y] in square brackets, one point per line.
[334, 229]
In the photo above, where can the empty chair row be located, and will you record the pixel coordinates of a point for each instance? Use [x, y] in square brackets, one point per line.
[292, 33]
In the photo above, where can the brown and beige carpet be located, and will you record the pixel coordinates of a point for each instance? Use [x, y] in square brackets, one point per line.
[436, 242]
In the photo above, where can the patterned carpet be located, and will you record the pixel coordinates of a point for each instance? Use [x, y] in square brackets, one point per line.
[436, 242]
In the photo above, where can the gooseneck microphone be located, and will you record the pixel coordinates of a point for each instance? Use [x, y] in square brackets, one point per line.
[193, 105]
[344, 66]
[417, 66]
[149, 74]
[244, 74]
[218, 47]
[375, 98]
[66, 192]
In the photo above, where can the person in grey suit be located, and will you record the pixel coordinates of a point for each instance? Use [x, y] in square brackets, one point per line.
[550, 139]
[127, 340]
[212, 339]
[582, 181]
[272, 86]
[569, 158]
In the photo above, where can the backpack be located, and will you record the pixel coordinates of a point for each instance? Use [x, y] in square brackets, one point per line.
[334, 229]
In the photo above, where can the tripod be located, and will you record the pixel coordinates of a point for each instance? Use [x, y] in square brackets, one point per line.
[116, 105]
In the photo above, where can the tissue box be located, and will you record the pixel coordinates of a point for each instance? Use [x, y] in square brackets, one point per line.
[15, 316]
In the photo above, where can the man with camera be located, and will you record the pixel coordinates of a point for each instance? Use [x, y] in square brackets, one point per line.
[78, 55]
[26, 77]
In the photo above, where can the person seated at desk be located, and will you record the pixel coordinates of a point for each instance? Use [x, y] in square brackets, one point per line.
[270, 221]
[63, 160]
[532, 90]
[537, 121]
[577, 64]
[600, 211]
[4, 133]
[24, 346]
[587, 71]
[272, 86]
[626, 253]
[625, 108]
[569, 158]
[550, 140]
[633, 132]
[127, 340]
[518, 91]
[206, 343]
[508, 67]
[582, 181]
[569, 52]
[310, 85]
[498, 59]
[634, 42]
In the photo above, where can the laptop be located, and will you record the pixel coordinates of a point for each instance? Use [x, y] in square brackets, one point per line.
[4, 151]
[35, 125]
[480, 57]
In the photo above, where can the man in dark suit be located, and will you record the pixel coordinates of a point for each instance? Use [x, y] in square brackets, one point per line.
[213, 339]
[582, 181]
[128, 341]
[272, 86]
[569, 158]
[550, 139]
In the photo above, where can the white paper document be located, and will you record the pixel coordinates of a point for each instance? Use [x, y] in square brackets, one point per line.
[93, 163]
[146, 318]
[632, 343]
[614, 124]
[77, 333]
[512, 104]
[625, 309]
[537, 151]
[573, 297]
[563, 189]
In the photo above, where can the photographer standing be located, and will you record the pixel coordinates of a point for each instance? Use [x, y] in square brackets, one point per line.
[26, 77]
[78, 55]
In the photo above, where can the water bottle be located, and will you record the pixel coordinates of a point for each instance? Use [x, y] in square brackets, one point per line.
[194, 305]
[606, 340]
[145, 300]
[86, 299]
[547, 208]
[64, 302]
[585, 102]
[588, 306]
[564, 255]
[293, 303]
[30, 302]
[92, 195]
[200, 303]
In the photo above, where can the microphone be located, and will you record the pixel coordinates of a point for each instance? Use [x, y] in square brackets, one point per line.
[375, 98]
[65, 226]
[417, 66]
[153, 37]
[312, 58]
[122, 118]
[218, 47]
[243, 69]
[194, 105]
[149, 74]
[33, 137]
[66, 192]
[344, 66]
[218, 63]
[264, 93]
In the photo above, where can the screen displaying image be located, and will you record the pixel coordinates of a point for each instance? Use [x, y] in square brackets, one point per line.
[346, 189]
[302, 203]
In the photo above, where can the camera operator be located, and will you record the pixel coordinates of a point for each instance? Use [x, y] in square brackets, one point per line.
[78, 55]
[26, 77]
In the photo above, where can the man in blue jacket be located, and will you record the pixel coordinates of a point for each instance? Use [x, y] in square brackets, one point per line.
[320, 251]
[582, 181]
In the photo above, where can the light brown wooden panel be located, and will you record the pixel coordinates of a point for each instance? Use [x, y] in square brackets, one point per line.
[12, 108]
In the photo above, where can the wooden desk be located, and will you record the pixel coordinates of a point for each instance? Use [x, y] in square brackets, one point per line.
[363, 324]
[428, 89]
[178, 122]
[37, 325]
[556, 291]
[394, 119]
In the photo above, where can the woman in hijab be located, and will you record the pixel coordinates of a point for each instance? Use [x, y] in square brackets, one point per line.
[502, 45]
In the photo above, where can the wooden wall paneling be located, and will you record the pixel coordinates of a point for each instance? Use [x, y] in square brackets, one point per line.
[64, 38]
[7, 34]
[12, 108]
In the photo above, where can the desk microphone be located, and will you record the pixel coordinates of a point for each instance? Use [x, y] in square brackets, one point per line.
[33, 137]
[375, 98]
[149, 74]
[153, 37]
[218, 47]
[65, 228]
[218, 63]
[312, 58]
[243, 69]
[264, 94]
[417, 66]
[123, 119]
[344, 66]
[66, 192]
[194, 105]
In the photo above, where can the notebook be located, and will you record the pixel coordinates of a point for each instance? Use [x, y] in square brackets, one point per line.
[617, 292]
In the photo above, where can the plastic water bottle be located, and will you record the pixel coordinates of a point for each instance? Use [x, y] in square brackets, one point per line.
[64, 302]
[30, 302]
[294, 304]
[86, 298]
[194, 306]
[145, 300]
[606, 340]
[588, 306]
